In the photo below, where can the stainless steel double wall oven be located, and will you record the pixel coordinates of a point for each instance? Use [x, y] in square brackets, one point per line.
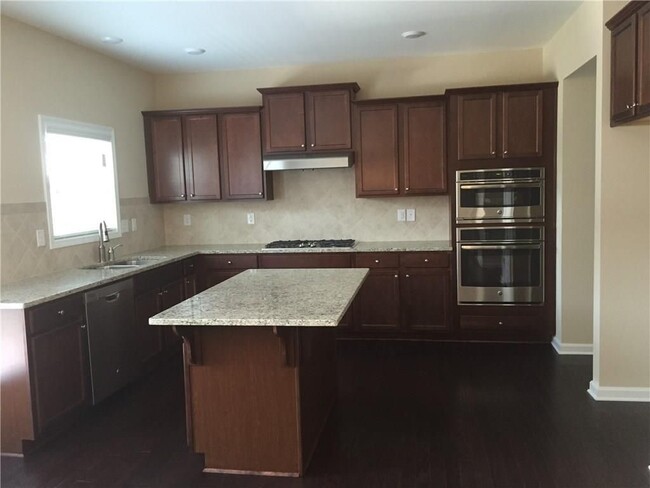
[500, 236]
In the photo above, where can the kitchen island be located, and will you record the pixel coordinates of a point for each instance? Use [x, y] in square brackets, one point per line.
[260, 366]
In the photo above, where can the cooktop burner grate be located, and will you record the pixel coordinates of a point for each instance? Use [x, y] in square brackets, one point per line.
[310, 244]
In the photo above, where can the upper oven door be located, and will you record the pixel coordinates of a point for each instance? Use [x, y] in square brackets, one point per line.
[504, 202]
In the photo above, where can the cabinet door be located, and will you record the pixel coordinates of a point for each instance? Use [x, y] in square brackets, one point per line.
[165, 159]
[643, 61]
[189, 286]
[172, 294]
[58, 372]
[377, 305]
[202, 157]
[284, 122]
[425, 293]
[147, 305]
[623, 81]
[422, 144]
[376, 146]
[522, 124]
[477, 126]
[241, 155]
[328, 120]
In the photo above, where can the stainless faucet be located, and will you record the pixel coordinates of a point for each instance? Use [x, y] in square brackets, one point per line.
[103, 237]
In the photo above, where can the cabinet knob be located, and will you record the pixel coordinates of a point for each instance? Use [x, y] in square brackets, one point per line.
[500, 293]
[500, 323]
[407, 188]
[302, 145]
[83, 326]
[376, 260]
[312, 145]
[426, 260]
[493, 153]
[182, 195]
[160, 293]
[187, 282]
[505, 152]
[229, 262]
[395, 189]
[408, 276]
[165, 292]
[629, 107]
[192, 195]
[117, 370]
[61, 312]
[260, 193]
[499, 212]
[396, 276]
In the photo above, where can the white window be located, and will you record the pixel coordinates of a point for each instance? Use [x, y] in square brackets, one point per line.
[80, 178]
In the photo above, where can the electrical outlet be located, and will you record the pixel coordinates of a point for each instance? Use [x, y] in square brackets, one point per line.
[134, 224]
[40, 238]
[124, 223]
[401, 215]
[250, 218]
[187, 219]
[410, 215]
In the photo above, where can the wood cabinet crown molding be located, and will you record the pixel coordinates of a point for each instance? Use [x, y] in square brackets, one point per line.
[624, 13]
[353, 86]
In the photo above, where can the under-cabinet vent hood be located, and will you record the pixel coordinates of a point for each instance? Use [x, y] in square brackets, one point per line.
[281, 163]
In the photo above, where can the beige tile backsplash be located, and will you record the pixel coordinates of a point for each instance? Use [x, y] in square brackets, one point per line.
[21, 258]
[309, 204]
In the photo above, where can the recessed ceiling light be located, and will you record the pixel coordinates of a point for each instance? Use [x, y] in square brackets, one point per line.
[413, 34]
[112, 40]
[195, 51]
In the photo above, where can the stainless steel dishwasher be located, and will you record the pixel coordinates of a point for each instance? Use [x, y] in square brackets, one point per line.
[112, 338]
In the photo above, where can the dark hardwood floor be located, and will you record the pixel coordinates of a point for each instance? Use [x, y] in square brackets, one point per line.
[408, 415]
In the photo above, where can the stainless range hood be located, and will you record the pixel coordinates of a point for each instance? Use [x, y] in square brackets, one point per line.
[302, 161]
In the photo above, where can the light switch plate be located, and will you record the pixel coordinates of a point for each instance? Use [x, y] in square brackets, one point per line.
[40, 238]
[410, 215]
[134, 225]
[250, 218]
[187, 219]
[401, 215]
[124, 223]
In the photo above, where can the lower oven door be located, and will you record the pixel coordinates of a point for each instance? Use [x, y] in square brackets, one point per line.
[500, 274]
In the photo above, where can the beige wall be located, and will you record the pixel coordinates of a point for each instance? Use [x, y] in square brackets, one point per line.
[322, 203]
[44, 74]
[621, 332]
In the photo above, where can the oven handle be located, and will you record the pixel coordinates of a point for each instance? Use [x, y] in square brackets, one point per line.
[509, 246]
[534, 184]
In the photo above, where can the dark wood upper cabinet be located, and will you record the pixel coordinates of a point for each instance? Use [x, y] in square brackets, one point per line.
[328, 120]
[477, 126]
[205, 155]
[400, 146]
[376, 145]
[630, 63]
[521, 113]
[422, 147]
[165, 163]
[307, 118]
[241, 156]
[201, 157]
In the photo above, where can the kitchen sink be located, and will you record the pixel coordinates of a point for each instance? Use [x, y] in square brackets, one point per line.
[135, 262]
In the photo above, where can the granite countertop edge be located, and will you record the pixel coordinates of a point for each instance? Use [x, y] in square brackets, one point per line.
[42, 289]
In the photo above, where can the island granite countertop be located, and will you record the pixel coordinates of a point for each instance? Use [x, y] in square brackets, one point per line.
[42, 289]
[271, 297]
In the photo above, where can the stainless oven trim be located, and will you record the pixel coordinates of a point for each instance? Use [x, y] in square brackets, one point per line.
[510, 295]
[508, 227]
[542, 174]
[478, 214]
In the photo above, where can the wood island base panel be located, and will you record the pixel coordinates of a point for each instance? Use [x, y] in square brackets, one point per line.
[258, 397]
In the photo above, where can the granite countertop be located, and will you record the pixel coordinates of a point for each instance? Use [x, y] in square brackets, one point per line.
[42, 289]
[271, 297]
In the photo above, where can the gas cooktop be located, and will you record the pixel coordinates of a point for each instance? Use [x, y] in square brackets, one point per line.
[317, 243]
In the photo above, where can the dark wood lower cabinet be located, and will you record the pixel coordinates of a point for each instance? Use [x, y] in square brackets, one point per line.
[425, 293]
[147, 305]
[377, 305]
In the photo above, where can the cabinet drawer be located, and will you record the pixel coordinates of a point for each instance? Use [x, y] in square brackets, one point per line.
[143, 282]
[496, 322]
[425, 259]
[305, 260]
[376, 260]
[55, 314]
[230, 261]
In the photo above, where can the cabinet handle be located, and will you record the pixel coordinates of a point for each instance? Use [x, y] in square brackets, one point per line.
[376, 260]
[165, 292]
[83, 326]
[61, 312]
[160, 293]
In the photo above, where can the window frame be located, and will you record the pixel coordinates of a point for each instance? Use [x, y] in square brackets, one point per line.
[82, 129]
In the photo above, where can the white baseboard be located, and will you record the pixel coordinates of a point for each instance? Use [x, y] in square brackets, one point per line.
[618, 393]
[576, 349]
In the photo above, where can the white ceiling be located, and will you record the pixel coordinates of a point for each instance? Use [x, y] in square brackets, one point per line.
[244, 34]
